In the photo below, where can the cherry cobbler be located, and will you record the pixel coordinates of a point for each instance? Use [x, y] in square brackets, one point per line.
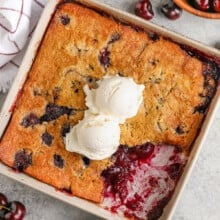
[82, 46]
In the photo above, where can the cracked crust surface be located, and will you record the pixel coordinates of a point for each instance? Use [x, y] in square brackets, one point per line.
[80, 46]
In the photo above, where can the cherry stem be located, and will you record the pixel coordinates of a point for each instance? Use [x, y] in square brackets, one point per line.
[4, 207]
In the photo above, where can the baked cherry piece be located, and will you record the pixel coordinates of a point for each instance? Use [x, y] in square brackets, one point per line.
[22, 159]
[58, 161]
[17, 211]
[53, 111]
[115, 37]
[203, 5]
[65, 129]
[47, 138]
[144, 9]
[216, 5]
[104, 57]
[171, 11]
[86, 161]
[30, 120]
[65, 19]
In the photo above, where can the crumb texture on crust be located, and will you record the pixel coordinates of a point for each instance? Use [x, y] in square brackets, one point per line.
[80, 46]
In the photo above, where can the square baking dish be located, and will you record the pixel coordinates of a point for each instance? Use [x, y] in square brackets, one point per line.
[22, 75]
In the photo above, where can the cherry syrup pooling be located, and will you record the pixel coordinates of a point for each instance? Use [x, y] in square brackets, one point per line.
[141, 179]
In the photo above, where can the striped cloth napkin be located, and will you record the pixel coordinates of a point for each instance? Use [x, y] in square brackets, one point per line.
[18, 19]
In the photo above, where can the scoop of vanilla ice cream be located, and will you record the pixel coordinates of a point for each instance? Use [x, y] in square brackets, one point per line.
[116, 96]
[96, 136]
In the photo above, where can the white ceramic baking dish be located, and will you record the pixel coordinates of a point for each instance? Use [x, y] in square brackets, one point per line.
[21, 77]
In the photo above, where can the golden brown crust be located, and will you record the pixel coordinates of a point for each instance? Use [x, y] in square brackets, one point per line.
[68, 58]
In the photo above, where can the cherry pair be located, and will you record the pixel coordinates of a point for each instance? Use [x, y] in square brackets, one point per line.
[14, 210]
[144, 9]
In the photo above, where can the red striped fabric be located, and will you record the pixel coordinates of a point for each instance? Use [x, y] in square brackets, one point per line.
[18, 20]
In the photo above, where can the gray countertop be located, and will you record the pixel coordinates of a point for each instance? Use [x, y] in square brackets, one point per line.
[201, 197]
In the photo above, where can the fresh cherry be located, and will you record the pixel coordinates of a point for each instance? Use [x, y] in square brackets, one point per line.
[3, 205]
[171, 11]
[203, 5]
[11, 210]
[3, 200]
[17, 211]
[144, 9]
[216, 5]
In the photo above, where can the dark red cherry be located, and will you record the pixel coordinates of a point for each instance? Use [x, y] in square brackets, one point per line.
[144, 9]
[47, 138]
[216, 5]
[17, 211]
[3, 200]
[30, 120]
[175, 170]
[22, 159]
[58, 161]
[141, 151]
[65, 19]
[171, 11]
[104, 57]
[203, 5]
[53, 111]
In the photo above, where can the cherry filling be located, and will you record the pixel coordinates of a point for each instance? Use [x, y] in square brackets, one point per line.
[22, 159]
[53, 112]
[104, 57]
[47, 138]
[65, 19]
[30, 120]
[142, 179]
